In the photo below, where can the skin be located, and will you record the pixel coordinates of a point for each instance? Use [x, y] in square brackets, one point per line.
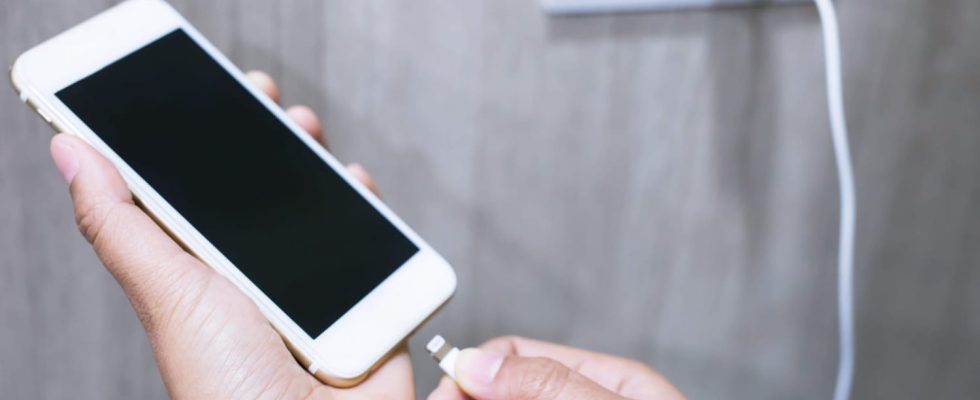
[211, 341]
[513, 367]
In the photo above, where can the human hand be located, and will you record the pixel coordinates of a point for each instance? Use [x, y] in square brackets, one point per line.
[210, 340]
[518, 368]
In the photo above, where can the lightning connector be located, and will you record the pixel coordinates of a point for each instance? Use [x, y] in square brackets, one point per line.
[444, 354]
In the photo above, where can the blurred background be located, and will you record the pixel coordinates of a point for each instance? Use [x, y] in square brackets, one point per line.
[658, 186]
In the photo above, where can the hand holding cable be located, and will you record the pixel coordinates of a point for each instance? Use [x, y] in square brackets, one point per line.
[519, 368]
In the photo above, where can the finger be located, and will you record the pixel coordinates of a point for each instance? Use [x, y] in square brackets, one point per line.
[447, 390]
[484, 375]
[151, 268]
[265, 83]
[570, 356]
[626, 377]
[307, 119]
[362, 176]
[302, 115]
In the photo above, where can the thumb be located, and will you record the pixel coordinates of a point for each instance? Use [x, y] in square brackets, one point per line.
[488, 376]
[151, 268]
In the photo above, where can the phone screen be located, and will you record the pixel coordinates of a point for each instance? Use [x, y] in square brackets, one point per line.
[230, 167]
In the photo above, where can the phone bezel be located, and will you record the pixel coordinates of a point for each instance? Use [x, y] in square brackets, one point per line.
[343, 354]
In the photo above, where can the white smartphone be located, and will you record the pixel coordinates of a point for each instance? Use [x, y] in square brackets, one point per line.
[221, 167]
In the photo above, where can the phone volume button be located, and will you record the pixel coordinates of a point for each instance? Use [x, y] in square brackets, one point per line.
[43, 115]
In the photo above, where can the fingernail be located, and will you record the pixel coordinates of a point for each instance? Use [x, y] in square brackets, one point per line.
[65, 158]
[478, 366]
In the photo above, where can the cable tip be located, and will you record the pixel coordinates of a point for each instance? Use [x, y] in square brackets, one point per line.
[435, 344]
[444, 354]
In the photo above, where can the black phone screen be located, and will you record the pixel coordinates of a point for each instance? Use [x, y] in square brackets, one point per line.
[243, 179]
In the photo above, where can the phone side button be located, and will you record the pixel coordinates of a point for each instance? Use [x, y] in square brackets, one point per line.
[43, 115]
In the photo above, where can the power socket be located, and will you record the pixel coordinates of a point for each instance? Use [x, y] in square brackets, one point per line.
[616, 6]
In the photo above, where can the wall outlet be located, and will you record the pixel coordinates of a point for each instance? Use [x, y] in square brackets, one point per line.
[611, 6]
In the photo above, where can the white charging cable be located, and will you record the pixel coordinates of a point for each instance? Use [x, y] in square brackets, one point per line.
[445, 354]
[848, 212]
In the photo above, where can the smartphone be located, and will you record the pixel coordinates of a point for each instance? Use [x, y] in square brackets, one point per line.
[220, 167]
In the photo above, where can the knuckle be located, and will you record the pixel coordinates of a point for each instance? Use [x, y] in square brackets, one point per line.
[92, 220]
[543, 379]
[171, 298]
[162, 289]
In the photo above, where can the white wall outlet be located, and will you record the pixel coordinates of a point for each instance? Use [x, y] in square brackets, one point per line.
[610, 6]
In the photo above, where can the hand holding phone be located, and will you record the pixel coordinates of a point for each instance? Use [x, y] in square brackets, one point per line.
[233, 180]
[210, 340]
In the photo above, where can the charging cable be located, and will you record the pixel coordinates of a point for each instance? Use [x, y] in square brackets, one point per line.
[848, 212]
[445, 354]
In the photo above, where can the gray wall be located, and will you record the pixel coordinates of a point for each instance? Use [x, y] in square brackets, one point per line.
[658, 186]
